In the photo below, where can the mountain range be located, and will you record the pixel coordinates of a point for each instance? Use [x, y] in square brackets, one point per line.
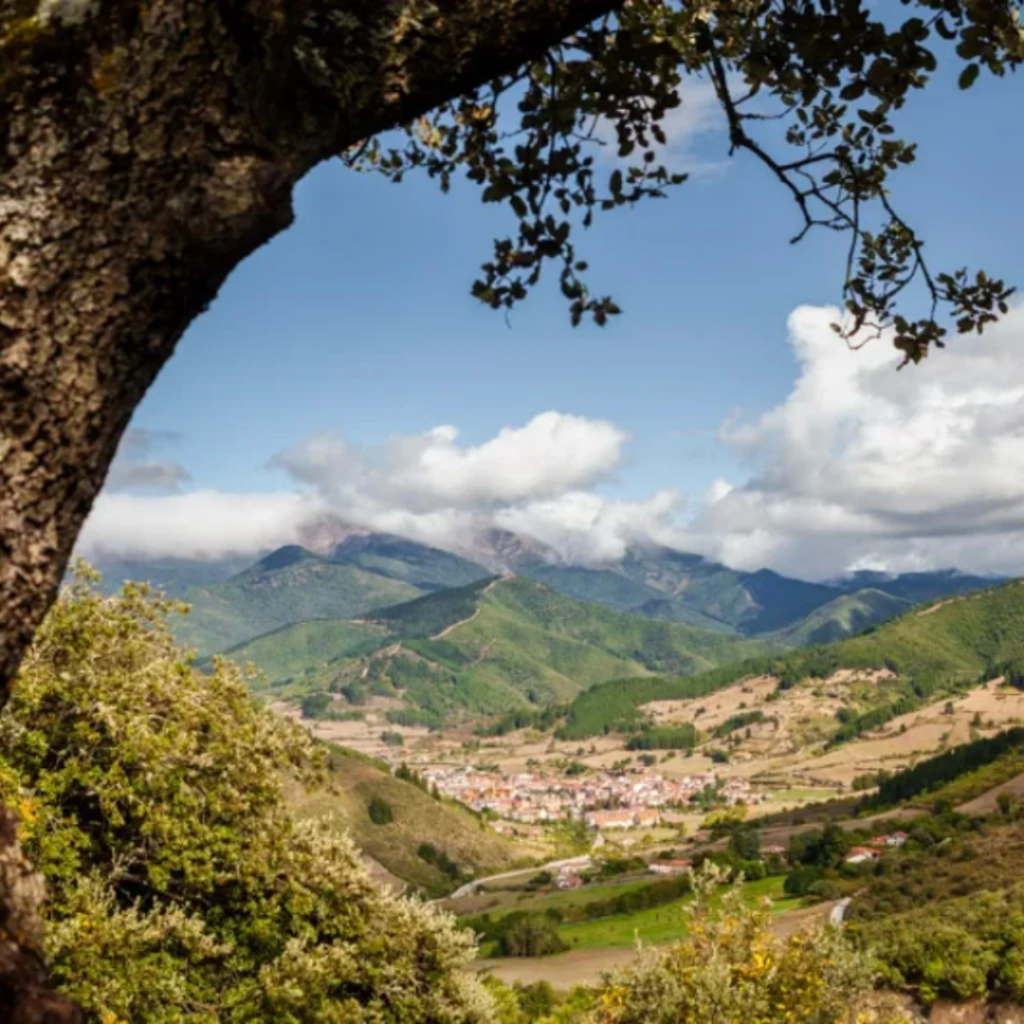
[234, 601]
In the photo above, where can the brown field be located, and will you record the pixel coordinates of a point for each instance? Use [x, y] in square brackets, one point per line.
[363, 735]
[577, 967]
[988, 802]
[587, 966]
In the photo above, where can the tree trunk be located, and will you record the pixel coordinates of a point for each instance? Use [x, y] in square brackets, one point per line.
[145, 150]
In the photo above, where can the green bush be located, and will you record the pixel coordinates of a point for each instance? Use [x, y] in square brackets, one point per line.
[380, 811]
[179, 887]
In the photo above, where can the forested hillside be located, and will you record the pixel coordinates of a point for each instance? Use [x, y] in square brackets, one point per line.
[290, 585]
[488, 647]
[928, 652]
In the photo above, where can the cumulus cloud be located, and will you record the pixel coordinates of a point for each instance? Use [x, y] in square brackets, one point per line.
[534, 478]
[550, 455]
[586, 528]
[200, 524]
[135, 467]
[862, 466]
[699, 115]
[859, 467]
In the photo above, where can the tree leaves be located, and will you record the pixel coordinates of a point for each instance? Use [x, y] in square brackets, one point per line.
[542, 138]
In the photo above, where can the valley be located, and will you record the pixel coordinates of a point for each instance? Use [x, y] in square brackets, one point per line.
[547, 751]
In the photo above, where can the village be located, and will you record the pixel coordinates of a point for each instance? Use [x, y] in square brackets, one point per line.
[638, 798]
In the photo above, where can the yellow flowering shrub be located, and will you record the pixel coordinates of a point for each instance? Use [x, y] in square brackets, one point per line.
[732, 970]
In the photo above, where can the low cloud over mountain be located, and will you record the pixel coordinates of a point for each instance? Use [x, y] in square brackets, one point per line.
[860, 466]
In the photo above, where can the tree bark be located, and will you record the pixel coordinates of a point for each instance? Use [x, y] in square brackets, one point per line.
[145, 150]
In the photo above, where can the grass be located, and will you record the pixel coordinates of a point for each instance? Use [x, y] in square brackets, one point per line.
[355, 780]
[659, 925]
[558, 899]
[793, 795]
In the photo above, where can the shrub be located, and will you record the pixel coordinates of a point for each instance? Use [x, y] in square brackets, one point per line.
[179, 887]
[732, 971]
[380, 811]
[522, 934]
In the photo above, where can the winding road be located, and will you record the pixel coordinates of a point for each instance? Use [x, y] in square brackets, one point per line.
[838, 912]
[471, 887]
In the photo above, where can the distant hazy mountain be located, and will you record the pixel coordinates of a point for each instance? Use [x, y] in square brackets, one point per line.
[917, 586]
[400, 559]
[352, 571]
[661, 583]
[174, 576]
[289, 585]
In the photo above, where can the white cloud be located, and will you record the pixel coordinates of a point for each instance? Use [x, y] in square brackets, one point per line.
[586, 528]
[699, 115]
[431, 472]
[135, 467]
[428, 487]
[201, 524]
[861, 465]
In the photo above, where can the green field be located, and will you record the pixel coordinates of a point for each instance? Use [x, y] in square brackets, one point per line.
[557, 899]
[658, 925]
[793, 795]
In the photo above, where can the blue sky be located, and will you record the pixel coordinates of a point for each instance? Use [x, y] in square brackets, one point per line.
[358, 320]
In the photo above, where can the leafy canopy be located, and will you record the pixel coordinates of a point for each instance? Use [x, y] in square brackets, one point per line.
[808, 87]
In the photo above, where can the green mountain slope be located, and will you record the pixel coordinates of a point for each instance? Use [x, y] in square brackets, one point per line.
[842, 617]
[421, 566]
[661, 583]
[928, 652]
[290, 585]
[489, 647]
[308, 648]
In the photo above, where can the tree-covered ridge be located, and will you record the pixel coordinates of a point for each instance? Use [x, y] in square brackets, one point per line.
[267, 597]
[932, 774]
[180, 889]
[486, 648]
[426, 616]
[929, 651]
